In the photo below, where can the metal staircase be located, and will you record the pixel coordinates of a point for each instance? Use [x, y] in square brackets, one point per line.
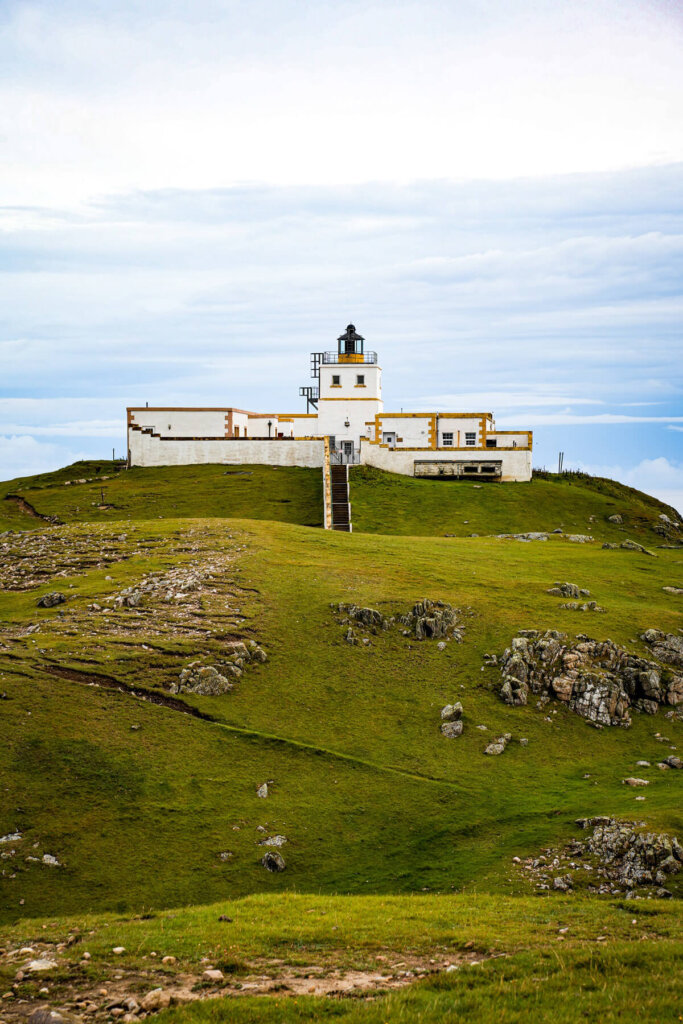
[341, 505]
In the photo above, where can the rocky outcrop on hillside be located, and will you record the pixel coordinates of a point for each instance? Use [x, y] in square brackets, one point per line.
[597, 679]
[617, 856]
[221, 675]
[426, 620]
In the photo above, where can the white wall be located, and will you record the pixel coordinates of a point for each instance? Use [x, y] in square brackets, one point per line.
[516, 464]
[182, 422]
[146, 450]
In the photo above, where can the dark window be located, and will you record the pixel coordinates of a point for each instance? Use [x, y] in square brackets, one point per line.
[360, 378]
[336, 379]
[491, 442]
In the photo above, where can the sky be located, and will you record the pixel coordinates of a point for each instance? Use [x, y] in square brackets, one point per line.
[196, 195]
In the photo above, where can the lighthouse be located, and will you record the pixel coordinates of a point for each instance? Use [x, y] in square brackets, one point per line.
[349, 393]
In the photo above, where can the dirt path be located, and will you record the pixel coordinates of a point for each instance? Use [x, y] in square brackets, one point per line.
[26, 507]
[131, 995]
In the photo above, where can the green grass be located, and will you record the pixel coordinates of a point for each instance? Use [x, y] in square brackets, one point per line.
[374, 802]
[621, 960]
[390, 503]
[279, 493]
[370, 796]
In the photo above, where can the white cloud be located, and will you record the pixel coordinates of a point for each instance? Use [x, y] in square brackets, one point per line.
[103, 97]
[22, 455]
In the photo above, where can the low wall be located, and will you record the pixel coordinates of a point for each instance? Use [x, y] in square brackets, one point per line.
[516, 464]
[148, 450]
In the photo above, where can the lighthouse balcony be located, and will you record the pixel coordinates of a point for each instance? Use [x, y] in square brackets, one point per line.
[348, 357]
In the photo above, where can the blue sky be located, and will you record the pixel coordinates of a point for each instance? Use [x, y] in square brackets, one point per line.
[194, 196]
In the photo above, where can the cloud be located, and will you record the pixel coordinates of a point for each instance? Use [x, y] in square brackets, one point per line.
[660, 477]
[22, 455]
[211, 93]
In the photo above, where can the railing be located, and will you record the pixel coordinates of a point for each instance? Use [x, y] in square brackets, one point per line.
[345, 457]
[351, 357]
[327, 486]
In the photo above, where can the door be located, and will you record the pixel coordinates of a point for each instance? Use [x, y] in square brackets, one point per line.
[389, 437]
[347, 449]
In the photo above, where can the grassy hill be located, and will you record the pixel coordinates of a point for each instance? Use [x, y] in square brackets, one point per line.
[148, 799]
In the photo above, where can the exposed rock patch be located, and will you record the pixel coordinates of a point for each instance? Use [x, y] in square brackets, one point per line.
[597, 679]
[629, 545]
[51, 600]
[617, 856]
[587, 606]
[567, 590]
[220, 677]
[426, 620]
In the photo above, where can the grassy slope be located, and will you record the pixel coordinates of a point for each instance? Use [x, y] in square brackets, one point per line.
[389, 503]
[601, 956]
[371, 797]
[281, 494]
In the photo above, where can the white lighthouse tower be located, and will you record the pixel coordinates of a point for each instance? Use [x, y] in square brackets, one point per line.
[349, 393]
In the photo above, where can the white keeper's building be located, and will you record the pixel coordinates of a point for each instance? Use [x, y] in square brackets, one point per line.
[343, 405]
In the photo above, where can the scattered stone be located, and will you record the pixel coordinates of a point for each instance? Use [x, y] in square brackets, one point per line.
[273, 861]
[523, 742]
[262, 791]
[51, 599]
[51, 861]
[635, 782]
[451, 730]
[597, 679]
[451, 712]
[629, 545]
[673, 761]
[567, 590]
[119, 950]
[11, 837]
[168, 960]
[274, 841]
[563, 884]
[46, 1016]
[642, 764]
[213, 975]
[498, 745]
[42, 964]
[673, 590]
[587, 606]
[616, 518]
[158, 999]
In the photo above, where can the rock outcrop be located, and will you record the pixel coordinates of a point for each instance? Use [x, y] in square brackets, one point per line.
[597, 679]
[219, 677]
[567, 590]
[631, 857]
[618, 857]
[451, 720]
[51, 600]
[426, 620]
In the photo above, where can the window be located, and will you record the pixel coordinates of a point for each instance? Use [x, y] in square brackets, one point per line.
[333, 443]
[447, 440]
[470, 439]
[491, 442]
[360, 380]
[336, 380]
